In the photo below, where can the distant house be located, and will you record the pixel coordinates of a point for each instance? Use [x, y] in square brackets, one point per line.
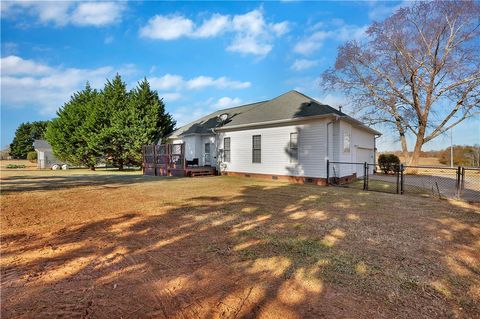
[45, 157]
[288, 137]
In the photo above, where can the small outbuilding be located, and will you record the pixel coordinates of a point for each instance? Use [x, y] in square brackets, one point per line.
[45, 157]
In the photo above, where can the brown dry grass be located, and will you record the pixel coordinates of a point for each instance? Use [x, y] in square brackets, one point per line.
[123, 245]
[28, 164]
[428, 161]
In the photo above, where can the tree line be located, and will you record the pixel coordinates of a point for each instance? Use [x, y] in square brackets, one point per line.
[463, 155]
[25, 134]
[108, 125]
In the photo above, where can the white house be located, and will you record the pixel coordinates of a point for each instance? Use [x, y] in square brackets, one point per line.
[288, 137]
[45, 157]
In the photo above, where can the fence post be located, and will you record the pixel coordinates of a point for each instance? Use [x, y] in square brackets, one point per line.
[397, 171]
[460, 180]
[154, 153]
[143, 160]
[401, 178]
[365, 176]
[459, 174]
[328, 172]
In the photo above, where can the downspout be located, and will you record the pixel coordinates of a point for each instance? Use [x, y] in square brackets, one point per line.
[217, 164]
[375, 153]
[328, 145]
[328, 137]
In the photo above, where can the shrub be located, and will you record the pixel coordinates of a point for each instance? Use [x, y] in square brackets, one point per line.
[388, 162]
[32, 156]
[16, 166]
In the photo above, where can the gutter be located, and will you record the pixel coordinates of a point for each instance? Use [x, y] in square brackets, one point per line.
[299, 119]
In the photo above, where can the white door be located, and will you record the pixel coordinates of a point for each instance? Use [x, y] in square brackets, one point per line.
[207, 155]
[364, 155]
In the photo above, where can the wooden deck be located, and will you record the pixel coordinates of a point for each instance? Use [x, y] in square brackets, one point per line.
[169, 160]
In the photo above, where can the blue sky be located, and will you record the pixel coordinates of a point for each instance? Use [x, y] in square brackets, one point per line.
[200, 56]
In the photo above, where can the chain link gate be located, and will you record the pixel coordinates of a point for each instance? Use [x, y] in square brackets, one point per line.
[434, 181]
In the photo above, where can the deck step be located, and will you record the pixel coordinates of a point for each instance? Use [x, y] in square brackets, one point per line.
[203, 173]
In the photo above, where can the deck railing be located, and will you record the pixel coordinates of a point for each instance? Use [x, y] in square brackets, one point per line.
[159, 160]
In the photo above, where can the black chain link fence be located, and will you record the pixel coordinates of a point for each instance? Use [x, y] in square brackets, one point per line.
[433, 181]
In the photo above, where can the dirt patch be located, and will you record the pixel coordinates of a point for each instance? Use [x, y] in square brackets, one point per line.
[114, 245]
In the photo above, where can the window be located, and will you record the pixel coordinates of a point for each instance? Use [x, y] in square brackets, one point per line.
[256, 149]
[226, 149]
[293, 147]
[346, 142]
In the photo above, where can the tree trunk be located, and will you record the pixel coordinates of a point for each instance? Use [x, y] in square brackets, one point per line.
[120, 165]
[403, 140]
[92, 168]
[418, 146]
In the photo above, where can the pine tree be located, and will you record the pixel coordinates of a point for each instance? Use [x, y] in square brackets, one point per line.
[113, 108]
[147, 121]
[70, 134]
[112, 124]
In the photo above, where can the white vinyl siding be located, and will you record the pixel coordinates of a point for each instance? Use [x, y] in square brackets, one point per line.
[276, 148]
[275, 144]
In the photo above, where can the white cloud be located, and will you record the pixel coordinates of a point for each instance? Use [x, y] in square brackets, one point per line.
[15, 65]
[97, 13]
[187, 114]
[56, 12]
[62, 13]
[252, 34]
[249, 45]
[171, 97]
[177, 82]
[333, 100]
[303, 64]
[226, 102]
[381, 10]
[26, 83]
[251, 22]
[215, 25]
[167, 27]
[341, 32]
[280, 28]
[184, 115]
[311, 43]
[166, 82]
[351, 32]
[201, 82]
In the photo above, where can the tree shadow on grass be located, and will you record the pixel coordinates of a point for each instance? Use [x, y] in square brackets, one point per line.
[269, 251]
[16, 184]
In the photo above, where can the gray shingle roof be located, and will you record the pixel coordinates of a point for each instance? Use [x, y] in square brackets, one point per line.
[288, 106]
[41, 145]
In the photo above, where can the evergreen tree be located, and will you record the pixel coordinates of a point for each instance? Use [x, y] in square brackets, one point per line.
[113, 124]
[112, 115]
[145, 122]
[70, 133]
[25, 134]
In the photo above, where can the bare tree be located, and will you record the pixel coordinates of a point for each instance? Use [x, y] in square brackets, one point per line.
[418, 72]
